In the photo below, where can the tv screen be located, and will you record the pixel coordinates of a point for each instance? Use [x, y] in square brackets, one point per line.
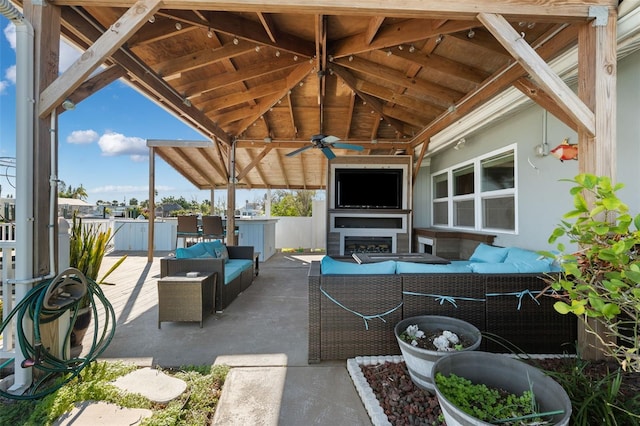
[368, 188]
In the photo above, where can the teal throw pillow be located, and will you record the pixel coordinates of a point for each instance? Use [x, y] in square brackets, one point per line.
[516, 254]
[195, 251]
[488, 254]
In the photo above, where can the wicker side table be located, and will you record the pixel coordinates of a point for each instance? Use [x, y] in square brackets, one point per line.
[182, 298]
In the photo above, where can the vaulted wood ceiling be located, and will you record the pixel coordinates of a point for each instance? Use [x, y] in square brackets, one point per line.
[268, 77]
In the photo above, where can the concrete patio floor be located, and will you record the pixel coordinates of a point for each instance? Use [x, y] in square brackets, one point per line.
[262, 335]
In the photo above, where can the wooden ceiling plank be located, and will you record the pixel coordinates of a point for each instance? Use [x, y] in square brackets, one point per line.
[109, 42]
[539, 70]
[435, 94]
[349, 120]
[540, 97]
[237, 98]
[201, 58]
[437, 9]
[297, 75]
[372, 29]
[254, 162]
[282, 169]
[404, 32]
[219, 166]
[251, 31]
[444, 65]
[391, 96]
[197, 88]
[292, 114]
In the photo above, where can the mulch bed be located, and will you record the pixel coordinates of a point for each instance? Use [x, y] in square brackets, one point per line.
[406, 404]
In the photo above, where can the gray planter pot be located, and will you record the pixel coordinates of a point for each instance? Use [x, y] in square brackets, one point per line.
[420, 361]
[500, 371]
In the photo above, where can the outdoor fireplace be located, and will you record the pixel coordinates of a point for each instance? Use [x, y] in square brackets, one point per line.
[360, 244]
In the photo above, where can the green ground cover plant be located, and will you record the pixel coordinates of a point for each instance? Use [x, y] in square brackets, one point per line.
[194, 407]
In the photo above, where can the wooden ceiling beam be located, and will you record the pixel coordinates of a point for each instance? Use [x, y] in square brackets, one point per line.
[437, 95]
[440, 64]
[252, 31]
[201, 58]
[297, 75]
[404, 32]
[237, 98]
[95, 84]
[198, 88]
[254, 162]
[540, 97]
[390, 95]
[104, 46]
[269, 26]
[372, 29]
[540, 71]
[374, 103]
[441, 9]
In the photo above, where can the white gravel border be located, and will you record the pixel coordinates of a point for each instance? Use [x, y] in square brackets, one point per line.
[371, 404]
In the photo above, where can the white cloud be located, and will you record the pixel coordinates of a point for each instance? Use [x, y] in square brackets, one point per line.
[10, 74]
[116, 144]
[3, 86]
[82, 137]
[10, 34]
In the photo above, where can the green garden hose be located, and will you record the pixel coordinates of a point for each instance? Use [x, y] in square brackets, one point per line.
[37, 307]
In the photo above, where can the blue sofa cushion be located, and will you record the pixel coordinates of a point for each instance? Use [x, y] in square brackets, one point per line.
[488, 254]
[330, 266]
[494, 268]
[195, 251]
[419, 268]
[234, 267]
[516, 254]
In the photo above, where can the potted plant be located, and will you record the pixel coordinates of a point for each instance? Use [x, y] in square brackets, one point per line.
[481, 388]
[88, 246]
[600, 282]
[426, 338]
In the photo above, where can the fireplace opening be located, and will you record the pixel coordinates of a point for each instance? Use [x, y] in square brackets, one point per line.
[367, 245]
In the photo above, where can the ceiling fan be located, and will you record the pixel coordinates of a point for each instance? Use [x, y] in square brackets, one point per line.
[325, 143]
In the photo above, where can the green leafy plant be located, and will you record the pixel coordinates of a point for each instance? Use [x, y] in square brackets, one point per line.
[194, 407]
[601, 279]
[489, 404]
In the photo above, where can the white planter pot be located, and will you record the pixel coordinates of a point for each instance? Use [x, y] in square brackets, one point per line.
[500, 371]
[420, 361]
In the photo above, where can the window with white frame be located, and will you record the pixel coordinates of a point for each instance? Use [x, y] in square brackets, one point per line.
[479, 194]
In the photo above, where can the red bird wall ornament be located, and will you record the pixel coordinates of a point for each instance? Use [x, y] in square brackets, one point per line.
[565, 151]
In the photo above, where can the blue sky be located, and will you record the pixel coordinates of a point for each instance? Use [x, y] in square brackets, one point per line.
[101, 144]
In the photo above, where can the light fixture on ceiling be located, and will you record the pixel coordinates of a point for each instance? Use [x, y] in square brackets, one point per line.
[186, 102]
[209, 33]
[277, 53]
[236, 41]
[152, 19]
[350, 58]
[439, 39]
[400, 47]
[267, 139]
[257, 48]
[460, 144]
[389, 53]
[178, 26]
[412, 48]
[68, 105]
[471, 33]
[295, 57]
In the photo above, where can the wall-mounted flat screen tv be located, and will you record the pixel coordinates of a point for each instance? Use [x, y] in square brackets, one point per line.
[368, 188]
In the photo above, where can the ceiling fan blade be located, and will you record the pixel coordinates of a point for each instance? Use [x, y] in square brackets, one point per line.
[348, 146]
[299, 150]
[328, 153]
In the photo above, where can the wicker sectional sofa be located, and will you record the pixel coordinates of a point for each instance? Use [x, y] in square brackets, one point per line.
[237, 268]
[353, 314]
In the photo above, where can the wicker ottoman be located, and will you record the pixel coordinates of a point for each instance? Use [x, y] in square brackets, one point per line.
[182, 298]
